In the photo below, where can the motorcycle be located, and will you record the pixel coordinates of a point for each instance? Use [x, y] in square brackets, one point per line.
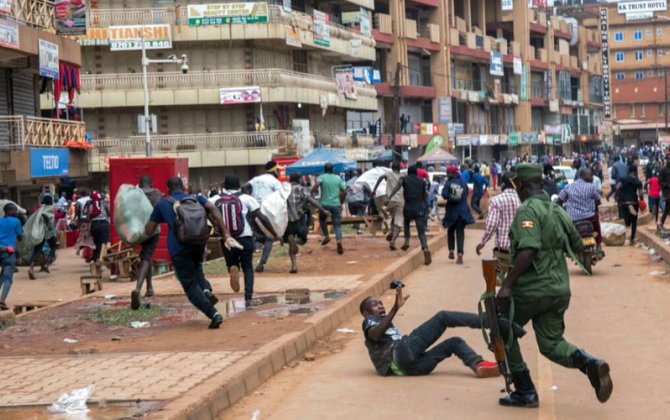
[591, 254]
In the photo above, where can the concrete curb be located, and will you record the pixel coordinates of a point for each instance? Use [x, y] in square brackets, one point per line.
[221, 391]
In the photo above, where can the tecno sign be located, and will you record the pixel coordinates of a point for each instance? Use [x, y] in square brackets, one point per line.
[50, 162]
[641, 6]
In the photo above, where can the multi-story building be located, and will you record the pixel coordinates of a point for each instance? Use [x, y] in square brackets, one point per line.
[33, 152]
[278, 62]
[505, 82]
[639, 46]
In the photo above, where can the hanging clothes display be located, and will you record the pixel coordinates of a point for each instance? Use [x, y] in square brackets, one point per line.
[69, 82]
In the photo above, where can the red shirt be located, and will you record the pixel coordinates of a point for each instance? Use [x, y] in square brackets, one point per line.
[422, 173]
[654, 187]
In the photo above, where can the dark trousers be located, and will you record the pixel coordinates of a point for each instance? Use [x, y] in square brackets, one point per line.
[666, 210]
[631, 220]
[412, 354]
[421, 221]
[244, 259]
[188, 268]
[475, 202]
[100, 234]
[456, 232]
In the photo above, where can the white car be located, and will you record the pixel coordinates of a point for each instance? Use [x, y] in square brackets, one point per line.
[567, 171]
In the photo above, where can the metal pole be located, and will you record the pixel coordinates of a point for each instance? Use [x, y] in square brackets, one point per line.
[395, 118]
[147, 120]
[665, 72]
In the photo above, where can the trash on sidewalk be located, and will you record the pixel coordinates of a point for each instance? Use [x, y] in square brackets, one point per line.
[554, 388]
[110, 297]
[256, 415]
[658, 273]
[345, 330]
[73, 402]
[140, 324]
[70, 341]
[352, 262]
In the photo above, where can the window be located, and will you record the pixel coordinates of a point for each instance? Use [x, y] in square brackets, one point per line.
[648, 32]
[619, 57]
[639, 55]
[641, 110]
[618, 36]
[632, 110]
[659, 31]
[639, 75]
[660, 51]
[621, 76]
[661, 72]
[637, 35]
[650, 53]
[650, 73]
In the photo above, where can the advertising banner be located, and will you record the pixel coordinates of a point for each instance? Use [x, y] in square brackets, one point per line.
[301, 136]
[507, 5]
[626, 7]
[48, 57]
[513, 139]
[130, 37]
[240, 95]
[70, 17]
[496, 67]
[225, 13]
[49, 162]
[639, 16]
[293, 36]
[321, 29]
[523, 89]
[287, 6]
[518, 65]
[444, 109]
[366, 28]
[94, 37]
[9, 34]
[344, 77]
[604, 41]
[6, 7]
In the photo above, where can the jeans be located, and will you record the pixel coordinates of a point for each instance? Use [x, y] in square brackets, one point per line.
[337, 225]
[654, 204]
[8, 262]
[631, 220]
[188, 269]
[100, 234]
[666, 210]
[475, 202]
[457, 229]
[421, 226]
[243, 258]
[267, 249]
[412, 357]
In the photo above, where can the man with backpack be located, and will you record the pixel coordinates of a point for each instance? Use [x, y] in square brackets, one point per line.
[82, 219]
[98, 211]
[148, 247]
[236, 209]
[186, 217]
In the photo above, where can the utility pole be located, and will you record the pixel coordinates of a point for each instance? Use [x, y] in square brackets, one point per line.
[665, 106]
[395, 117]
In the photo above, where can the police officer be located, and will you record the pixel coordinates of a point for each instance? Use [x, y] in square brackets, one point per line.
[538, 281]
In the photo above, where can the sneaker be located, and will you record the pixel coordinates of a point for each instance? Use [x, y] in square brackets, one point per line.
[211, 296]
[217, 320]
[260, 268]
[405, 246]
[249, 303]
[459, 260]
[135, 300]
[325, 241]
[427, 259]
[340, 248]
[451, 255]
[487, 369]
[234, 278]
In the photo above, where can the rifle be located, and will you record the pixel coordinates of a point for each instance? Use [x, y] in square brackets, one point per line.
[494, 340]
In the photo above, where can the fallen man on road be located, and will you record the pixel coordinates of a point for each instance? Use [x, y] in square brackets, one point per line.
[395, 354]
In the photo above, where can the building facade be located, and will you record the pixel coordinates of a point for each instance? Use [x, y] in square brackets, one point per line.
[33, 152]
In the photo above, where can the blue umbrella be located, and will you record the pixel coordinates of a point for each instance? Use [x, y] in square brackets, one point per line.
[313, 163]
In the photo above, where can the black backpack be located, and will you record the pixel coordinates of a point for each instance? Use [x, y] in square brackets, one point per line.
[190, 223]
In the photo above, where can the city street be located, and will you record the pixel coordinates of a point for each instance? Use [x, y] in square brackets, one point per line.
[617, 314]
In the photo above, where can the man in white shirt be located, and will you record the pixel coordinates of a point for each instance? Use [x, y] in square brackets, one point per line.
[264, 185]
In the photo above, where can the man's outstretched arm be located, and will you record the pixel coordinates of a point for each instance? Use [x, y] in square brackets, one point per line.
[375, 333]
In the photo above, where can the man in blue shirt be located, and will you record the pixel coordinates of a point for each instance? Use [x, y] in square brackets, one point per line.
[10, 229]
[187, 258]
[479, 185]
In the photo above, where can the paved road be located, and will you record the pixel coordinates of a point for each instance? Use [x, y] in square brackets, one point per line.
[618, 314]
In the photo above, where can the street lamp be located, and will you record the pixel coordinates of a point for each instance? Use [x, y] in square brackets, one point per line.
[145, 63]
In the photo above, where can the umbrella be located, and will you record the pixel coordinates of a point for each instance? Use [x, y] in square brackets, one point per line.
[439, 155]
[313, 163]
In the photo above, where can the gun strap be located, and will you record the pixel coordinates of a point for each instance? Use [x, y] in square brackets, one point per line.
[480, 309]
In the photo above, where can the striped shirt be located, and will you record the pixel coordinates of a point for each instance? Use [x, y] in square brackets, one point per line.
[499, 220]
[580, 199]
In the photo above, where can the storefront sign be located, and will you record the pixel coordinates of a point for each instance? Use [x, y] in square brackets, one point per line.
[507, 5]
[428, 129]
[529, 138]
[49, 162]
[513, 139]
[94, 37]
[344, 77]
[444, 109]
[293, 36]
[70, 17]
[287, 6]
[225, 13]
[128, 38]
[503, 139]
[321, 29]
[9, 34]
[496, 67]
[639, 16]
[366, 28]
[239, 95]
[523, 89]
[456, 128]
[301, 136]
[626, 7]
[6, 7]
[465, 141]
[48, 56]
[518, 65]
[604, 29]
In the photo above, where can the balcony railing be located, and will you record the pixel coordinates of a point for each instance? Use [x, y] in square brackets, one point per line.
[36, 13]
[490, 128]
[184, 143]
[18, 131]
[539, 91]
[210, 79]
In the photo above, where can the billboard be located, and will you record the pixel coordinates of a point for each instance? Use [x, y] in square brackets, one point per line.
[9, 34]
[344, 77]
[70, 17]
[240, 95]
[225, 13]
[6, 7]
[130, 37]
[496, 67]
[604, 41]
[48, 58]
[321, 29]
[46, 162]
[444, 109]
[626, 7]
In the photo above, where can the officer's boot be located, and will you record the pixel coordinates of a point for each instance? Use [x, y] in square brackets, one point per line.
[395, 232]
[598, 372]
[524, 394]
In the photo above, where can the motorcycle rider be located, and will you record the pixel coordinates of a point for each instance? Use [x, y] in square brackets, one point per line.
[581, 199]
